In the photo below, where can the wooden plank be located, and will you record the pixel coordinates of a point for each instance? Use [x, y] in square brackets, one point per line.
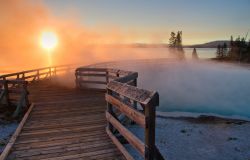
[62, 148]
[132, 113]
[112, 76]
[140, 95]
[130, 137]
[80, 154]
[61, 142]
[119, 145]
[91, 69]
[31, 76]
[127, 78]
[93, 82]
[12, 140]
[53, 138]
[14, 81]
[91, 74]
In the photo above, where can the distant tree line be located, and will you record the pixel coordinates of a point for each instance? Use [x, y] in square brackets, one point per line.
[238, 50]
[175, 44]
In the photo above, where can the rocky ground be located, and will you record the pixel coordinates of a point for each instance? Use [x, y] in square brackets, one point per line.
[203, 138]
[8, 125]
[6, 130]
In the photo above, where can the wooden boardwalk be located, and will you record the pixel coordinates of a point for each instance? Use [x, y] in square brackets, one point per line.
[84, 123]
[65, 123]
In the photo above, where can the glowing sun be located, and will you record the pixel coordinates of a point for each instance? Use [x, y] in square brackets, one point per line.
[49, 40]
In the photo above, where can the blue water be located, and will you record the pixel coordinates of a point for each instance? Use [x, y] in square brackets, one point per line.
[200, 87]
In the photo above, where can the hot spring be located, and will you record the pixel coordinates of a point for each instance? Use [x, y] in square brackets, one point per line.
[203, 87]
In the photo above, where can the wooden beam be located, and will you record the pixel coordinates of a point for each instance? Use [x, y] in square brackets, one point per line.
[12, 140]
[140, 95]
[2, 95]
[20, 104]
[119, 145]
[130, 137]
[92, 69]
[150, 132]
[127, 78]
[130, 112]
[6, 88]
[91, 74]
[94, 82]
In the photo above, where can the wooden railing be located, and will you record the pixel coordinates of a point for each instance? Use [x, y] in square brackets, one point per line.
[17, 89]
[15, 84]
[124, 99]
[36, 74]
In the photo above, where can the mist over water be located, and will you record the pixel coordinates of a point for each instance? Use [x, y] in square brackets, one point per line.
[195, 86]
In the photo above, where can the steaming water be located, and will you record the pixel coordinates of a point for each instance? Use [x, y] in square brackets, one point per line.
[195, 86]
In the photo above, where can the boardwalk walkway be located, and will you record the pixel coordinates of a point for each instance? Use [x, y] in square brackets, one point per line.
[64, 123]
[84, 123]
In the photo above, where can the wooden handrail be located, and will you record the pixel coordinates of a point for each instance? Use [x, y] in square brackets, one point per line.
[36, 74]
[17, 87]
[122, 98]
[16, 83]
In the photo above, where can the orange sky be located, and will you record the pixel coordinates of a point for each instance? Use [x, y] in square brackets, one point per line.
[23, 21]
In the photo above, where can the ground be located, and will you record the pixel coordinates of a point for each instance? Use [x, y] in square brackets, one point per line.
[8, 125]
[6, 130]
[201, 138]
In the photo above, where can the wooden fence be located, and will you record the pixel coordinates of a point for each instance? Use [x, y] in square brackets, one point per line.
[124, 99]
[13, 86]
[17, 89]
[37, 74]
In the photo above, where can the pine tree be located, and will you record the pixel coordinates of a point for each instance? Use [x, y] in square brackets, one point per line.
[172, 40]
[231, 51]
[175, 44]
[224, 51]
[218, 52]
[179, 47]
[195, 55]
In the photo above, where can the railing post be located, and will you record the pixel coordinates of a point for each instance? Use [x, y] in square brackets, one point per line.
[110, 110]
[38, 75]
[55, 71]
[107, 76]
[77, 80]
[135, 84]
[117, 74]
[6, 88]
[26, 95]
[23, 76]
[150, 132]
[50, 72]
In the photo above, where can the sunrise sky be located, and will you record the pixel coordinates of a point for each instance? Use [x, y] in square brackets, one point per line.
[81, 27]
[152, 21]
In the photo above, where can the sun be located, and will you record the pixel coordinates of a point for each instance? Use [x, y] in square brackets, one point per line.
[49, 40]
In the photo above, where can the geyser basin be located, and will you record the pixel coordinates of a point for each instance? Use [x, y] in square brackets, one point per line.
[197, 87]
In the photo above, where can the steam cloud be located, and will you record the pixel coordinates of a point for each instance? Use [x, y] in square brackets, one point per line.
[190, 86]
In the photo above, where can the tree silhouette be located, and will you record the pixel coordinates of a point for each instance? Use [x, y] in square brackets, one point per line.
[195, 55]
[224, 50]
[172, 40]
[219, 51]
[175, 44]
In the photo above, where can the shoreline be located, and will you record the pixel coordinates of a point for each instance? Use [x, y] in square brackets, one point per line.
[190, 115]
